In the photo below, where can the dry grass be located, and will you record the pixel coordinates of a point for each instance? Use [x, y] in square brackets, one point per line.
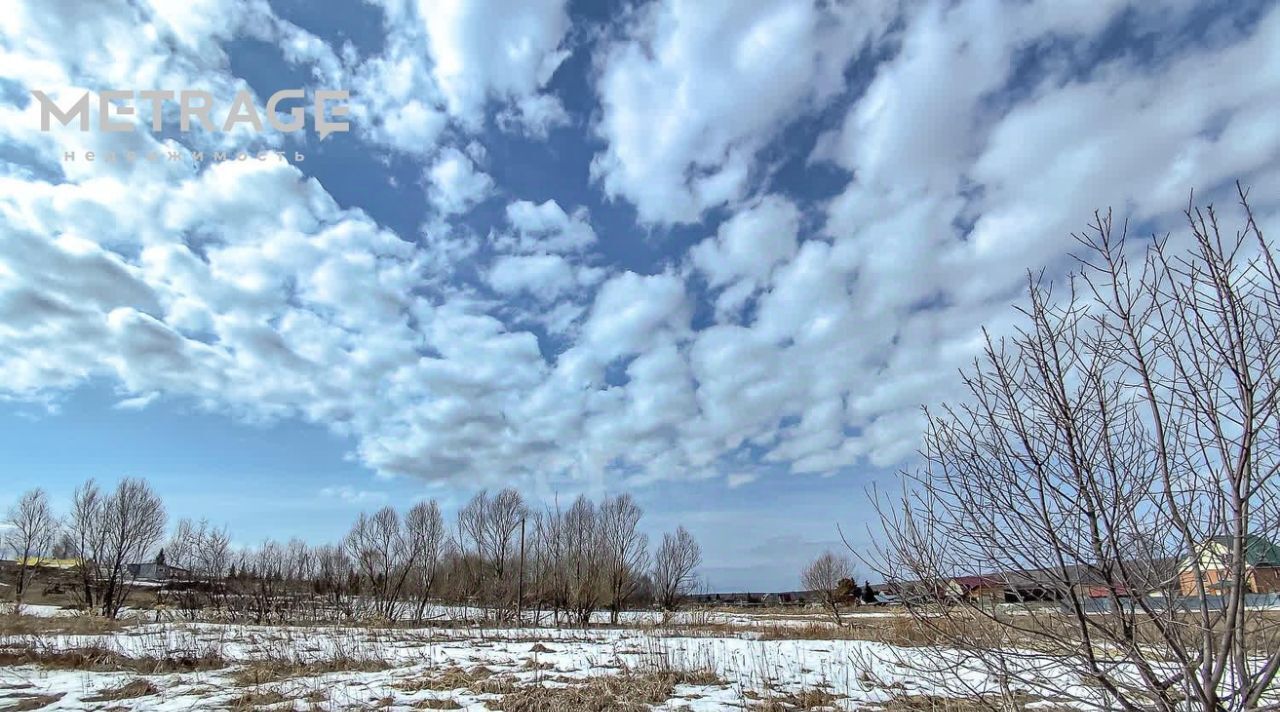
[811, 699]
[128, 691]
[432, 704]
[58, 625]
[936, 703]
[626, 692]
[19, 702]
[257, 699]
[100, 659]
[445, 679]
[260, 672]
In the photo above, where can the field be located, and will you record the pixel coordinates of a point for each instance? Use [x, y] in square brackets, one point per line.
[696, 661]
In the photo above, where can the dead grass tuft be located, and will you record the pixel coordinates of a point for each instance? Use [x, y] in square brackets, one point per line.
[810, 699]
[58, 625]
[260, 672]
[100, 659]
[626, 692]
[22, 702]
[433, 704]
[257, 699]
[937, 703]
[128, 691]
[449, 678]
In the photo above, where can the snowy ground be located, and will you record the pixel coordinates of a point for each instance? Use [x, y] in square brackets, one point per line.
[333, 668]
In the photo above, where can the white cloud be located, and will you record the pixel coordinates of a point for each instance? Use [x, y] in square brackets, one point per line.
[535, 115]
[747, 247]
[545, 276]
[352, 495]
[456, 185]
[697, 87]
[137, 402]
[395, 101]
[546, 227]
[633, 312]
[246, 288]
[503, 50]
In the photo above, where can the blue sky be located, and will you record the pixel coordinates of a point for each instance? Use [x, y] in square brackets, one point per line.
[715, 253]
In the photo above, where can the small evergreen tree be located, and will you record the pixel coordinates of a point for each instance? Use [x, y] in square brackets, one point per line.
[868, 593]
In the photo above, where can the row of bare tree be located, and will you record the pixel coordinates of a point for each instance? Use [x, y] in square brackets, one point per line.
[103, 533]
[505, 558]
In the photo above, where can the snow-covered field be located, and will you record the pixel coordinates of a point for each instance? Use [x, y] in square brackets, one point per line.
[329, 668]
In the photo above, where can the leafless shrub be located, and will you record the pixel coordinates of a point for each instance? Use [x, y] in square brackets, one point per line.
[30, 535]
[384, 556]
[429, 542]
[1133, 420]
[490, 540]
[626, 552]
[108, 533]
[826, 575]
[675, 568]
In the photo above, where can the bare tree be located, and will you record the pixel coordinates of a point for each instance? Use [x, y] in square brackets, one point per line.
[626, 554]
[584, 560]
[675, 567]
[124, 529]
[1129, 427]
[84, 538]
[384, 556]
[425, 533]
[261, 585]
[551, 556]
[830, 576]
[489, 535]
[31, 533]
[333, 568]
[203, 553]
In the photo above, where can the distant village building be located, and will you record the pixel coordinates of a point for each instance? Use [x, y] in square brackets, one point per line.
[1262, 567]
[46, 562]
[156, 571]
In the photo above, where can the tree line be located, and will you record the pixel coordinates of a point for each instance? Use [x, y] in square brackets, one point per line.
[502, 557]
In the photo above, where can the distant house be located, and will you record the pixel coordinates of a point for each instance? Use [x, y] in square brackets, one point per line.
[156, 571]
[798, 598]
[752, 600]
[49, 563]
[1145, 578]
[1261, 560]
[977, 589]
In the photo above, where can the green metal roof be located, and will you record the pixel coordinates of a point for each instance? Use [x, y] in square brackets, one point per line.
[1258, 551]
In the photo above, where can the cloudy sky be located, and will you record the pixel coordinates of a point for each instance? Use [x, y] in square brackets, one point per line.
[713, 252]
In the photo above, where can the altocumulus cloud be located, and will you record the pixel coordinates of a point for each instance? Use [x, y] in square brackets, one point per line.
[794, 333]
